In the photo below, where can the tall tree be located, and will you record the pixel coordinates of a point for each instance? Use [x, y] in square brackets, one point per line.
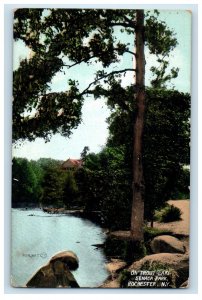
[137, 216]
[66, 38]
[53, 186]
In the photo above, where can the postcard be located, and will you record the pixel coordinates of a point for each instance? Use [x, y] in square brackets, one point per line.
[101, 148]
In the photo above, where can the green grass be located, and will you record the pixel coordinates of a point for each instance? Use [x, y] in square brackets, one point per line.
[152, 232]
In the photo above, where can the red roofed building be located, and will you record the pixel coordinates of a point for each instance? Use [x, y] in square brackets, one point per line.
[72, 164]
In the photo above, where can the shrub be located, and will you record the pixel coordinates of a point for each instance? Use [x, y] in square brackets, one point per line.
[169, 213]
[124, 249]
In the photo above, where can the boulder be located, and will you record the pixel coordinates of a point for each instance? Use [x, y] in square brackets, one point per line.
[115, 265]
[167, 244]
[173, 260]
[56, 273]
[67, 257]
[179, 263]
[111, 284]
[43, 278]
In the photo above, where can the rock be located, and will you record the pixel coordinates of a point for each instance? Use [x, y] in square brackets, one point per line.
[167, 244]
[185, 284]
[121, 234]
[173, 260]
[177, 262]
[115, 266]
[111, 284]
[43, 278]
[57, 272]
[68, 257]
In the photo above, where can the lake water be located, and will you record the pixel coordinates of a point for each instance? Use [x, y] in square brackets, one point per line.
[37, 236]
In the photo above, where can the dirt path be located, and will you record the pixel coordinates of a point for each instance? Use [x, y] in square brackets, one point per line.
[178, 227]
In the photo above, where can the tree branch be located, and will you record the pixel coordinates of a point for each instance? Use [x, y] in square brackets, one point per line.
[131, 52]
[123, 24]
[79, 62]
[132, 23]
[87, 59]
[105, 76]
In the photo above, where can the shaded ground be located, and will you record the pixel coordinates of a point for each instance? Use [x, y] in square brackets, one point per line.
[179, 227]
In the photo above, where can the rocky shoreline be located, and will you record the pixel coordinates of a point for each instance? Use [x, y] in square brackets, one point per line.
[168, 251]
[93, 216]
[169, 254]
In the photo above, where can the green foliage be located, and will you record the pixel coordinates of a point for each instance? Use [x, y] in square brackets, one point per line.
[60, 39]
[165, 144]
[181, 187]
[104, 187]
[25, 183]
[151, 233]
[115, 248]
[105, 181]
[53, 187]
[70, 191]
[169, 213]
[135, 251]
[160, 41]
[159, 38]
[44, 163]
[84, 153]
[124, 249]
[125, 276]
[43, 182]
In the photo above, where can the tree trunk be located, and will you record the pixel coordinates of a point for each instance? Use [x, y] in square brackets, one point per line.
[137, 217]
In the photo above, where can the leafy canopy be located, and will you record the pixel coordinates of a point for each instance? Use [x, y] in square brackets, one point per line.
[60, 39]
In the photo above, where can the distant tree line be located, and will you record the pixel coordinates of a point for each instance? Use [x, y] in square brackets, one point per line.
[41, 183]
[103, 184]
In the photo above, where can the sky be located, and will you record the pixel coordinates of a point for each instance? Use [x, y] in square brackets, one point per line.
[93, 132]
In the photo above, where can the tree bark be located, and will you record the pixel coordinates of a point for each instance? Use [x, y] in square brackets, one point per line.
[137, 217]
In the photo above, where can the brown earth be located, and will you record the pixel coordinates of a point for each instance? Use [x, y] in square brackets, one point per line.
[178, 227]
